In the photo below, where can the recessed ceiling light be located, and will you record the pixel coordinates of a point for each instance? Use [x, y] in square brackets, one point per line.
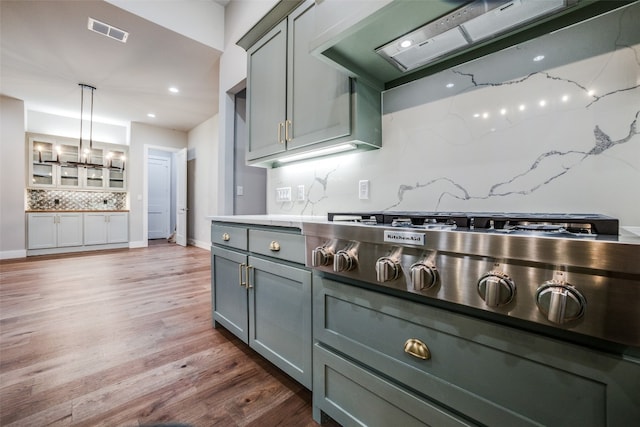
[538, 58]
[542, 103]
[565, 98]
[174, 89]
[522, 107]
[503, 111]
[450, 85]
[151, 115]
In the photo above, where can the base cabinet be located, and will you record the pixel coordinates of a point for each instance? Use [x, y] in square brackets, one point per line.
[477, 372]
[263, 299]
[54, 230]
[60, 232]
[105, 228]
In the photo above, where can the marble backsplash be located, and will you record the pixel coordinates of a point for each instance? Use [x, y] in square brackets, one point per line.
[502, 133]
[68, 200]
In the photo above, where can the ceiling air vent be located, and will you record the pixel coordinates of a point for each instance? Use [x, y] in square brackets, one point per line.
[108, 30]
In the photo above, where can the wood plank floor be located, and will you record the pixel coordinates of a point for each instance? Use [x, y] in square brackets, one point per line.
[124, 338]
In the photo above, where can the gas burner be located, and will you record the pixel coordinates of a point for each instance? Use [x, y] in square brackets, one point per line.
[568, 225]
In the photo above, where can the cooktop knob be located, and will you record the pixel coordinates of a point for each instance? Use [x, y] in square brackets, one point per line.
[321, 256]
[496, 288]
[387, 269]
[424, 276]
[343, 261]
[560, 301]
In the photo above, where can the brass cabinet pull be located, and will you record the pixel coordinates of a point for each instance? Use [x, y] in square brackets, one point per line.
[417, 348]
[287, 130]
[226, 237]
[274, 246]
[243, 283]
[280, 141]
[248, 284]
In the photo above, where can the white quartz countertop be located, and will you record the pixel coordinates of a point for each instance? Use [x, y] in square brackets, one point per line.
[273, 220]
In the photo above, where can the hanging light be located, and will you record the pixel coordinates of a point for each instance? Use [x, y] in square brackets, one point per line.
[84, 153]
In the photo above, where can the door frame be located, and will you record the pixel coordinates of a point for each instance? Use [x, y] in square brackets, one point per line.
[169, 162]
[145, 186]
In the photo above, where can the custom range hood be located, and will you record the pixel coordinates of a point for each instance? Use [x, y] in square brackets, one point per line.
[472, 23]
[391, 42]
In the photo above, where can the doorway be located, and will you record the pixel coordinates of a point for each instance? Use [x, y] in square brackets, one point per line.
[249, 182]
[162, 213]
[160, 162]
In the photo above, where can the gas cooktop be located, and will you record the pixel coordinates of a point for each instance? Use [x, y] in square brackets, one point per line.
[546, 224]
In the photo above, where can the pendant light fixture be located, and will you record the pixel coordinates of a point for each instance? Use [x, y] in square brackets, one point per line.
[84, 154]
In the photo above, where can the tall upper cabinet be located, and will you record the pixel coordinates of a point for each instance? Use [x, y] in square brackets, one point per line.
[297, 103]
[57, 163]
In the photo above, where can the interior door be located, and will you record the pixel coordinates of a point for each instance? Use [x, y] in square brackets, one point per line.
[159, 197]
[181, 197]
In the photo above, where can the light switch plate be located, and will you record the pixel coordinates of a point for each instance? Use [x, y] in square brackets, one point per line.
[239, 190]
[283, 194]
[363, 189]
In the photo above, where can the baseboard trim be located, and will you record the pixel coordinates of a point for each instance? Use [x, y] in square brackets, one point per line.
[199, 244]
[21, 253]
[138, 244]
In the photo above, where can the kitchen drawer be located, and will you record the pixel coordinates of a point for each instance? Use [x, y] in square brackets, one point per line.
[229, 235]
[277, 244]
[491, 373]
[354, 396]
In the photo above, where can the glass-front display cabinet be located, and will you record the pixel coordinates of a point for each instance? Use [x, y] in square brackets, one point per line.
[41, 167]
[58, 162]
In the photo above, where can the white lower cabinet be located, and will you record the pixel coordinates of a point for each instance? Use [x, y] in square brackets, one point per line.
[54, 230]
[58, 232]
[101, 228]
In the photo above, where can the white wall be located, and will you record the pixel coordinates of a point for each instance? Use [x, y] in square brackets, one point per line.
[240, 16]
[12, 178]
[52, 124]
[141, 135]
[202, 185]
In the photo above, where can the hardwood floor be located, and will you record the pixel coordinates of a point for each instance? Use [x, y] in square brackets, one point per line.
[124, 338]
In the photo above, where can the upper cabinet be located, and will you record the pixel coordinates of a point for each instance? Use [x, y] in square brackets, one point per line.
[298, 105]
[57, 163]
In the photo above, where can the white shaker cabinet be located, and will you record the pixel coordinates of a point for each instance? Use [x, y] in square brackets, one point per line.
[54, 230]
[101, 228]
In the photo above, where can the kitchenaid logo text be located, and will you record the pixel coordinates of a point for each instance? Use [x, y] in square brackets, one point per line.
[406, 237]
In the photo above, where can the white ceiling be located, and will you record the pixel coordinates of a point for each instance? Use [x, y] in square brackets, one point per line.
[46, 50]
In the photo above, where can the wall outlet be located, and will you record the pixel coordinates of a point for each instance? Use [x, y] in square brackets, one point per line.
[239, 190]
[363, 189]
[300, 196]
[283, 194]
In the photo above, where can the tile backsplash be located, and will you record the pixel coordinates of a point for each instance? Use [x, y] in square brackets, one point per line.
[75, 200]
[502, 133]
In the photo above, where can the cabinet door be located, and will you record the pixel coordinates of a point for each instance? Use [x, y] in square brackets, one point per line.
[94, 177]
[318, 95]
[95, 229]
[266, 93]
[280, 316]
[229, 296]
[69, 229]
[41, 230]
[118, 228]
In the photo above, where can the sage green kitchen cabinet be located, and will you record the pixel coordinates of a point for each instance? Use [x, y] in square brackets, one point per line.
[261, 292]
[380, 360]
[297, 103]
[49, 230]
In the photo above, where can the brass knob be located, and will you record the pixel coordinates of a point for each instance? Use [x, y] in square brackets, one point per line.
[416, 348]
[274, 246]
[226, 237]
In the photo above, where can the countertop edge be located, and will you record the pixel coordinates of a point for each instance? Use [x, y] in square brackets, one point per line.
[74, 211]
[272, 220]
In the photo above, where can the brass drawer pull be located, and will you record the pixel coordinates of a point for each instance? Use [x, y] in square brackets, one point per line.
[417, 348]
[241, 268]
[274, 246]
[226, 237]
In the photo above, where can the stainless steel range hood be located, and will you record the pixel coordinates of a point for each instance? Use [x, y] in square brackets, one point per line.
[464, 27]
[391, 42]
